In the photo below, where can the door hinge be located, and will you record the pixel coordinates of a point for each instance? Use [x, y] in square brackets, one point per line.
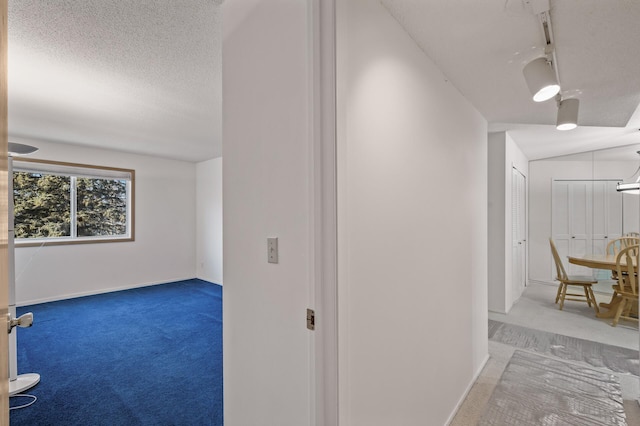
[311, 319]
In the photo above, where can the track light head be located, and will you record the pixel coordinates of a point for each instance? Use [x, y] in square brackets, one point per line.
[541, 79]
[568, 114]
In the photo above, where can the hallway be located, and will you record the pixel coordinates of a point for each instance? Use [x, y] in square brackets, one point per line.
[536, 311]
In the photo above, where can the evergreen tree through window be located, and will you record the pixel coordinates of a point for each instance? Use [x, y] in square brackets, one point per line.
[62, 202]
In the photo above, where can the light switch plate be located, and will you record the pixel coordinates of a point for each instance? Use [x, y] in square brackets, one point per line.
[272, 250]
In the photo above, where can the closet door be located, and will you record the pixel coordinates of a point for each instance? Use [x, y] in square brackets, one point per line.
[631, 213]
[607, 214]
[572, 221]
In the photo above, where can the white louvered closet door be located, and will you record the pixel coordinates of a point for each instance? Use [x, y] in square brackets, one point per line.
[607, 214]
[607, 219]
[518, 233]
[571, 222]
[586, 216]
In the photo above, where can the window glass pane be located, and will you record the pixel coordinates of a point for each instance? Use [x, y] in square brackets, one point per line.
[65, 203]
[101, 207]
[42, 205]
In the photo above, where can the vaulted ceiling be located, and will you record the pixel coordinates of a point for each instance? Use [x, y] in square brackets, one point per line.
[144, 76]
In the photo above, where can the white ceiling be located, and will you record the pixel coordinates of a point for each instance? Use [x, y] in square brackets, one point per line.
[135, 75]
[482, 46]
[144, 76]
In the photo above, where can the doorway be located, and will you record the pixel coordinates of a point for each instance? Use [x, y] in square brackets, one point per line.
[518, 234]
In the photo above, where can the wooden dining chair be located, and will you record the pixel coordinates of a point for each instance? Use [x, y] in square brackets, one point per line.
[627, 287]
[565, 281]
[614, 246]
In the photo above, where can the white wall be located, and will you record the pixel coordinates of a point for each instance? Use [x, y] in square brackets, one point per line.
[504, 155]
[209, 220]
[163, 249]
[542, 173]
[412, 218]
[267, 193]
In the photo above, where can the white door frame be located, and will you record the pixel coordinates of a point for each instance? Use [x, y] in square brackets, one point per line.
[325, 342]
[518, 229]
[4, 221]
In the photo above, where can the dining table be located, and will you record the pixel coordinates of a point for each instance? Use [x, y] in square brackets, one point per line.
[595, 261]
[607, 262]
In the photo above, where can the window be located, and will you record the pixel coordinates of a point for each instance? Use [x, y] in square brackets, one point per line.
[62, 203]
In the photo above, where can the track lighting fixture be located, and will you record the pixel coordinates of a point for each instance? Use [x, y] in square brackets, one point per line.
[567, 114]
[541, 79]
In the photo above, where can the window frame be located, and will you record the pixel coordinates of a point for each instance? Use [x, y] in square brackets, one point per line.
[71, 167]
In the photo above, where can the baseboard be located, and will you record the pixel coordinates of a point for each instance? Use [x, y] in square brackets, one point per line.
[209, 279]
[553, 284]
[466, 392]
[101, 291]
[606, 292]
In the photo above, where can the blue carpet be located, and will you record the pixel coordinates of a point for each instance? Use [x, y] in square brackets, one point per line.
[147, 356]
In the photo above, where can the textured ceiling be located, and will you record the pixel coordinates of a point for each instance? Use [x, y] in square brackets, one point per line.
[144, 75]
[482, 46]
[136, 75]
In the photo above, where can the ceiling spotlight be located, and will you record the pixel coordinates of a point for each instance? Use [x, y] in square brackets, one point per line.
[541, 79]
[568, 114]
